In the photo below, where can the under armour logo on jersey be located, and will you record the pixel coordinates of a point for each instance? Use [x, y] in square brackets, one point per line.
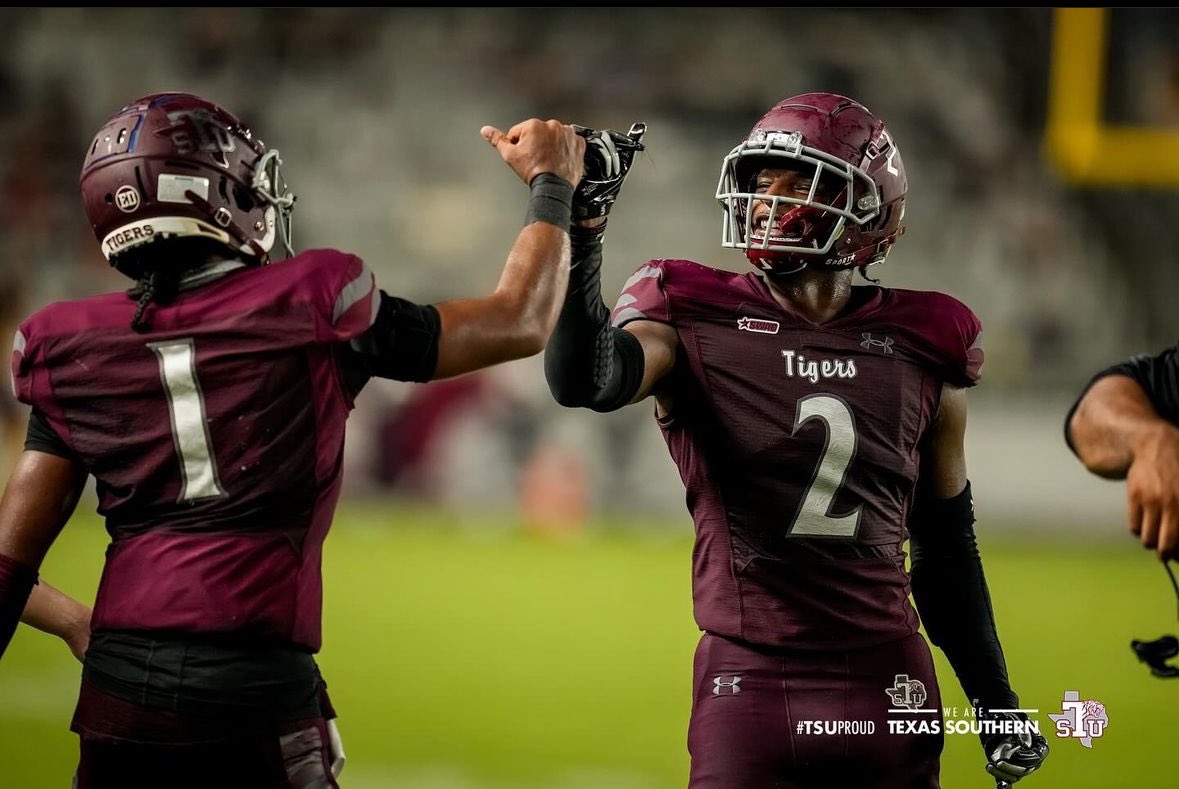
[726, 686]
[759, 325]
[870, 342]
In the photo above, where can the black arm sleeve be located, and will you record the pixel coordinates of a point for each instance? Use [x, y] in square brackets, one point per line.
[40, 437]
[588, 363]
[952, 598]
[16, 584]
[402, 344]
[1158, 376]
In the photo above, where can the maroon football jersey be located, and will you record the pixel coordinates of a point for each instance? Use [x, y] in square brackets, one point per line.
[216, 440]
[799, 447]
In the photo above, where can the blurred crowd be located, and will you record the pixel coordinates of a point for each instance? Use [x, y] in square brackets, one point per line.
[377, 112]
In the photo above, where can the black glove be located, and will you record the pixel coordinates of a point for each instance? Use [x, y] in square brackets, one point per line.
[608, 157]
[1011, 757]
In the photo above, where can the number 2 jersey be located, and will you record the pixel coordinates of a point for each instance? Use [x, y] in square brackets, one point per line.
[216, 438]
[799, 447]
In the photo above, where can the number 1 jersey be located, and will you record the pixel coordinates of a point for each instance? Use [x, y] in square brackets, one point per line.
[799, 447]
[216, 440]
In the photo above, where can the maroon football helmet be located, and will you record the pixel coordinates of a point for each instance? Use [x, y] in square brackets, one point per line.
[857, 195]
[174, 164]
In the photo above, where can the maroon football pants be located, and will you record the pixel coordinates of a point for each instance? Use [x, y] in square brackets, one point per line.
[796, 719]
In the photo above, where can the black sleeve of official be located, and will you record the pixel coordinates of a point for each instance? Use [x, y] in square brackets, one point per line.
[40, 437]
[588, 363]
[1158, 375]
[402, 344]
[950, 591]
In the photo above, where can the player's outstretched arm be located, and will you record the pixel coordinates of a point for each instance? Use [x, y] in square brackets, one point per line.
[516, 319]
[588, 363]
[950, 590]
[1122, 427]
[41, 496]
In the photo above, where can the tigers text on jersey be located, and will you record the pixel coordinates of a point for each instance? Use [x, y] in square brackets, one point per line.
[216, 440]
[799, 447]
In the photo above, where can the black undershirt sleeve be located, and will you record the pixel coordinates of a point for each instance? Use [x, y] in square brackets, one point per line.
[40, 437]
[950, 591]
[402, 345]
[1158, 375]
[588, 363]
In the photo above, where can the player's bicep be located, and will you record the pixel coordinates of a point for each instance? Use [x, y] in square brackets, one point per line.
[944, 462]
[476, 333]
[659, 341]
[41, 495]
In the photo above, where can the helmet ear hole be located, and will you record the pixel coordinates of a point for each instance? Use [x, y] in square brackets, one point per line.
[243, 199]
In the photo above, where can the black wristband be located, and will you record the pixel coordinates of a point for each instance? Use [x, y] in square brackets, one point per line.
[551, 201]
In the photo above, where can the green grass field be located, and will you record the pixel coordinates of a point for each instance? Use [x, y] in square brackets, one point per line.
[465, 655]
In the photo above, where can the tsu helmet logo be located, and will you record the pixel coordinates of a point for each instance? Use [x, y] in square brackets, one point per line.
[127, 198]
[197, 130]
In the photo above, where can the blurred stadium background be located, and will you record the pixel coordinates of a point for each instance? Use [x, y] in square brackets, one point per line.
[507, 599]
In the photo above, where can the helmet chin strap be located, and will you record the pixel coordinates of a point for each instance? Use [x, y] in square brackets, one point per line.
[775, 272]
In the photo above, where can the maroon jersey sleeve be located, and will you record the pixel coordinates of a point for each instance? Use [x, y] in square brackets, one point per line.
[964, 331]
[644, 296]
[344, 292]
[30, 379]
[944, 330]
[19, 381]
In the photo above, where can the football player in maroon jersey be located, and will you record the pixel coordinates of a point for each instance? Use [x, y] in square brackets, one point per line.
[209, 404]
[816, 426]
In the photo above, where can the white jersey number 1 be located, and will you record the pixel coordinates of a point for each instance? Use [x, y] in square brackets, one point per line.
[190, 424]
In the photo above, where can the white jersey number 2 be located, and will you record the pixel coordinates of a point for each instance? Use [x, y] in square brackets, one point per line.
[839, 450]
[190, 425]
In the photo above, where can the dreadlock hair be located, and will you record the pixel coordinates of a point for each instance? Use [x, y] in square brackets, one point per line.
[158, 267]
